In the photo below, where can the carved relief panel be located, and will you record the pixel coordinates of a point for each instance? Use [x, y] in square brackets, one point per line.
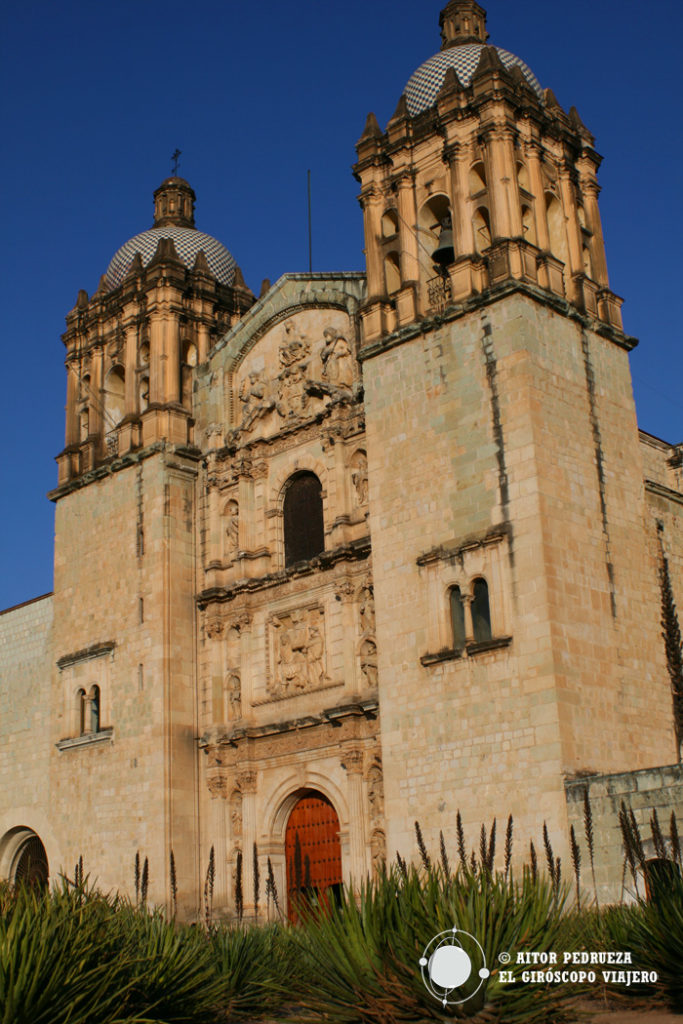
[295, 370]
[297, 652]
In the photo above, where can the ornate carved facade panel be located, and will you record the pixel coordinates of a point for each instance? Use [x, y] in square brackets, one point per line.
[297, 652]
[294, 370]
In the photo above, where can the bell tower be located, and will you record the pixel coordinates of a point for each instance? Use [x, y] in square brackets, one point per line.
[476, 141]
[505, 512]
[126, 516]
[131, 348]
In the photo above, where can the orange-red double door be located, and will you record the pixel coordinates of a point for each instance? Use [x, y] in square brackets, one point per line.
[312, 852]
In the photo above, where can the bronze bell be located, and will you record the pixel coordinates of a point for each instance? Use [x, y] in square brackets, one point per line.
[444, 254]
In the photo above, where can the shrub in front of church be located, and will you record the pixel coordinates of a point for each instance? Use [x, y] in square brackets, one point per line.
[362, 956]
[170, 969]
[57, 963]
[254, 966]
[657, 937]
[75, 956]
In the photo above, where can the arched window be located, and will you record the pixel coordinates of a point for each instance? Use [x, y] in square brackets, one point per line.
[528, 226]
[481, 612]
[303, 518]
[477, 178]
[523, 177]
[556, 228]
[389, 224]
[457, 618]
[482, 229]
[81, 708]
[114, 390]
[188, 362]
[435, 211]
[94, 701]
[392, 272]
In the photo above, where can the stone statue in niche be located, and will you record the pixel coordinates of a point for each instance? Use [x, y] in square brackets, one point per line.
[232, 526]
[367, 610]
[378, 850]
[236, 813]
[257, 399]
[337, 359]
[359, 477]
[234, 688]
[368, 663]
[298, 652]
[376, 792]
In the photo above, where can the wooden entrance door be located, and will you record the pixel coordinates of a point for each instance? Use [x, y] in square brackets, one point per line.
[312, 853]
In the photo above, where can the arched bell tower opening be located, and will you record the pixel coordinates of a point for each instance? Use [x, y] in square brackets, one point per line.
[312, 853]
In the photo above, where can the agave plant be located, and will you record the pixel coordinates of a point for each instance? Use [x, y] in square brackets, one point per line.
[254, 965]
[169, 967]
[54, 962]
[363, 955]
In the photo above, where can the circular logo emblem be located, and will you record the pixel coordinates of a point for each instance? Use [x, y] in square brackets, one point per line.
[453, 967]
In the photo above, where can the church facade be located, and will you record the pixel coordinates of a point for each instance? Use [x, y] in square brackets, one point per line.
[369, 549]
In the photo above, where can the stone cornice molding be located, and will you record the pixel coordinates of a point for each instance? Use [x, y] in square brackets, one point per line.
[86, 654]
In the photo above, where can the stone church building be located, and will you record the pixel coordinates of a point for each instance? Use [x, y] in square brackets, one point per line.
[369, 548]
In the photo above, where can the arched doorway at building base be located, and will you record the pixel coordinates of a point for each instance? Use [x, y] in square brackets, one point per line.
[23, 857]
[312, 853]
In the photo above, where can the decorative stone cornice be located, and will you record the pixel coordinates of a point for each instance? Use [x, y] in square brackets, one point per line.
[86, 654]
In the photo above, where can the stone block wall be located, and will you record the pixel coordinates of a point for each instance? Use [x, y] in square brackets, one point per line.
[25, 670]
[644, 791]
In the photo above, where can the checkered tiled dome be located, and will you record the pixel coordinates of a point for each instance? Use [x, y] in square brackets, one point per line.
[424, 85]
[187, 241]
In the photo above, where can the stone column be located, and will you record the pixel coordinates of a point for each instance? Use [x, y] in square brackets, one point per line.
[463, 237]
[156, 358]
[97, 398]
[352, 761]
[512, 187]
[410, 260]
[496, 174]
[591, 191]
[371, 202]
[172, 356]
[202, 342]
[345, 605]
[572, 218]
[247, 784]
[536, 182]
[72, 434]
[245, 501]
[130, 359]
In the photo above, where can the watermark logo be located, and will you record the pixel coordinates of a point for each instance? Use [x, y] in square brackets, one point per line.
[453, 967]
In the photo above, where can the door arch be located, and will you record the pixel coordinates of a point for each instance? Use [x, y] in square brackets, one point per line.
[23, 858]
[312, 852]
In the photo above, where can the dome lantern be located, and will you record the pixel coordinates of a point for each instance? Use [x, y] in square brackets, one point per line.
[174, 203]
[462, 21]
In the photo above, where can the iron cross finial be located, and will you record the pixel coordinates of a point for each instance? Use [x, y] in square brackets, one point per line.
[174, 158]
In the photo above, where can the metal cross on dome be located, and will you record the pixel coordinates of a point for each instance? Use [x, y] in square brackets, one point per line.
[174, 159]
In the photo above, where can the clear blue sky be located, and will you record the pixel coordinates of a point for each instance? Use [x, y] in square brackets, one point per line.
[97, 96]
